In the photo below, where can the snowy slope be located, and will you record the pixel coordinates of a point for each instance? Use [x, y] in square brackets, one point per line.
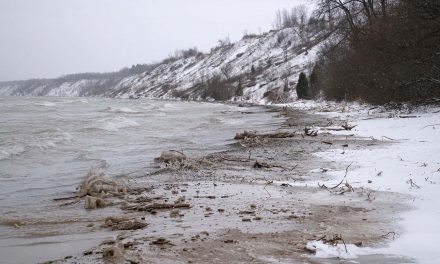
[261, 63]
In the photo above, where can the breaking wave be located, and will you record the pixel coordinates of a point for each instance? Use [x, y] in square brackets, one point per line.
[47, 104]
[114, 124]
[6, 153]
[11, 151]
[121, 110]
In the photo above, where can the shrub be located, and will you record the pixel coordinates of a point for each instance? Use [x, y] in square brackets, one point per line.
[218, 89]
[314, 82]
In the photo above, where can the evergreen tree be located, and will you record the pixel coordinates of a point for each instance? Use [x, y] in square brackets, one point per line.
[286, 88]
[252, 69]
[302, 86]
[239, 91]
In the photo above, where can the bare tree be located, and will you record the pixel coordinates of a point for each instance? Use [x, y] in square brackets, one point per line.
[382, 50]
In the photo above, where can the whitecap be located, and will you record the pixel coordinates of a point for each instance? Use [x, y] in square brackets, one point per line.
[43, 143]
[7, 153]
[45, 103]
[114, 124]
[121, 110]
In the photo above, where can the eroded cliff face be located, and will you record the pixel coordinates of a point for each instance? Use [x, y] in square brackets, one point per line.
[258, 68]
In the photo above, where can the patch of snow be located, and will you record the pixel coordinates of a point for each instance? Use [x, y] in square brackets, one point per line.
[409, 164]
[348, 251]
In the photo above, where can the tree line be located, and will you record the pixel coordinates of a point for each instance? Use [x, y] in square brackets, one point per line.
[379, 51]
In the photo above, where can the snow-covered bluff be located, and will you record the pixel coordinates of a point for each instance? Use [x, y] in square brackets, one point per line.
[256, 63]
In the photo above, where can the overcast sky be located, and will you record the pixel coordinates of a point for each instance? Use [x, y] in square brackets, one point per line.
[49, 38]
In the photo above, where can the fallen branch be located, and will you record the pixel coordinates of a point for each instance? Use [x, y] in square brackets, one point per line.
[334, 129]
[402, 116]
[253, 134]
[430, 126]
[322, 186]
[207, 196]
[389, 233]
[66, 198]
[348, 127]
[345, 176]
[413, 184]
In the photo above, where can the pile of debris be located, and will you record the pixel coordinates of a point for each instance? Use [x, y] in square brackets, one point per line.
[254, 134]
[177, 160]
[97, 187]
[252, 138]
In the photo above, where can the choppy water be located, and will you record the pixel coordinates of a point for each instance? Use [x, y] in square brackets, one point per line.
[47, 146]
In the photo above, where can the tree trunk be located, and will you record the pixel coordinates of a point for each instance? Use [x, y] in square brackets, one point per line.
[384, 7]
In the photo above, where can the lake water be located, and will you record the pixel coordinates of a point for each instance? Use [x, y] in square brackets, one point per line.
[47, 146]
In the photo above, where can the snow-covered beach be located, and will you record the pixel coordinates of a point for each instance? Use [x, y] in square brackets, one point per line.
[410, 164]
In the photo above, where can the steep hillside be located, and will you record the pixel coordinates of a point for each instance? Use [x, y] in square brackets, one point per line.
[256, 68]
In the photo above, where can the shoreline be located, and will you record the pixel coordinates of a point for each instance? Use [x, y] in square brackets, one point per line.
[40, 223]
[260, 209]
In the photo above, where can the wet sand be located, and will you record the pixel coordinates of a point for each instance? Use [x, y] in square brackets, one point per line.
[252, 204]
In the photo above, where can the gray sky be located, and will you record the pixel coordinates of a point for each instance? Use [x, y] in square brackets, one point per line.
[48, 38]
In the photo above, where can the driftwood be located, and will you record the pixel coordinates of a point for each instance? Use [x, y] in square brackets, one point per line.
[408, 116]
[65, 198]
[344, 127]
[348, 127]
[260, 165]
[345, 177]
[253, 134]
[335, 128]
[156, 206]
[309, 132]
[207, 197]
[123, 223]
